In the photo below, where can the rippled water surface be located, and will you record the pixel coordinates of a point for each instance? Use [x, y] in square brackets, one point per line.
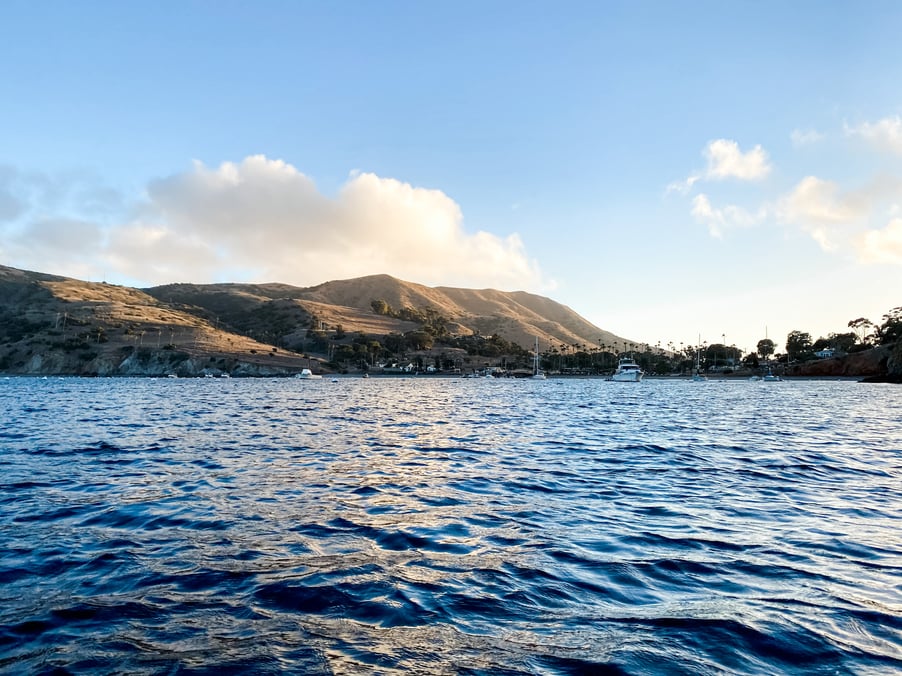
[448, 526]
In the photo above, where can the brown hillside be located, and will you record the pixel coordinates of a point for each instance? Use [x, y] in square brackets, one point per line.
[516, 316]
[361, 292]
[56, 325]
[52, 324]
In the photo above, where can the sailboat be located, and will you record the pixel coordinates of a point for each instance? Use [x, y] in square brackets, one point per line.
[536, 373]
[770, 376]
[698, 377]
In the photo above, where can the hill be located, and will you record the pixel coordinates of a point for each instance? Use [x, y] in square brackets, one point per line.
[52, 324]
[515, 316]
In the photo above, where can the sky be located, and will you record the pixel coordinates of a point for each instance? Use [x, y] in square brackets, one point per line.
[673, 172]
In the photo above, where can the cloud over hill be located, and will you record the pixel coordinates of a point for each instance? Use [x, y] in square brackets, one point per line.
[259, 220]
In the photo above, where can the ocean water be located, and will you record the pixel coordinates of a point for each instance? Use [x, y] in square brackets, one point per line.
[449, 526]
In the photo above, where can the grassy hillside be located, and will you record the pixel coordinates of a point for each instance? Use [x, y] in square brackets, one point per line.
[515, 316]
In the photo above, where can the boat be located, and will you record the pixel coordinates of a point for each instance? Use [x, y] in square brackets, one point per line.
[698, 376]
[628, 371]
[307, 374]
[770, 376]
[537, 374]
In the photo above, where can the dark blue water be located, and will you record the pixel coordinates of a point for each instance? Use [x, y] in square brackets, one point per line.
[449, 527]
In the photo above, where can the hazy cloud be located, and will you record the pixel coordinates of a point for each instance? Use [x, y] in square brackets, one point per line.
[804, 137]
[885, 134]
[818, 207]
[839, 220]
[61, 235]
[719, 220]
[683, 186]
[55, 222]
[11, 207]
[882, 246]
[816, 201]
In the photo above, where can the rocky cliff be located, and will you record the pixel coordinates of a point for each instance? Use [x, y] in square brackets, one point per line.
[883, 363]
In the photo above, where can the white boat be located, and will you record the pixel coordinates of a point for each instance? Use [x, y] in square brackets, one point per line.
[537, 374]
[307, 374]
[628, 371]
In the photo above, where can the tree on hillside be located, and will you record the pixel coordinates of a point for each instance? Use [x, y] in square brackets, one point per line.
[381, 307]
[891, 329]
[394, 343]
[844, 342]
[765, 347]
[863, 327]
[798, 344]
[418, 340]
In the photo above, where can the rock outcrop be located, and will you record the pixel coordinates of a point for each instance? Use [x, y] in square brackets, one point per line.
[882, 363]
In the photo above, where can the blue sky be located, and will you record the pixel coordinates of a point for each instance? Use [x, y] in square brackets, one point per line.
[668, 170]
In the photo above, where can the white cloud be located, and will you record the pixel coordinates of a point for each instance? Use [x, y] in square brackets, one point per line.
[720, 220]
[267, 219]
[885, 134]
[882, 246]
[683, 187]
[804, 137]
[254, 220]
[726, 160]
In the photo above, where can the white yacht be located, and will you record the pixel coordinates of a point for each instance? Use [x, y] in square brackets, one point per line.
[307, 374]
[628, 371]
